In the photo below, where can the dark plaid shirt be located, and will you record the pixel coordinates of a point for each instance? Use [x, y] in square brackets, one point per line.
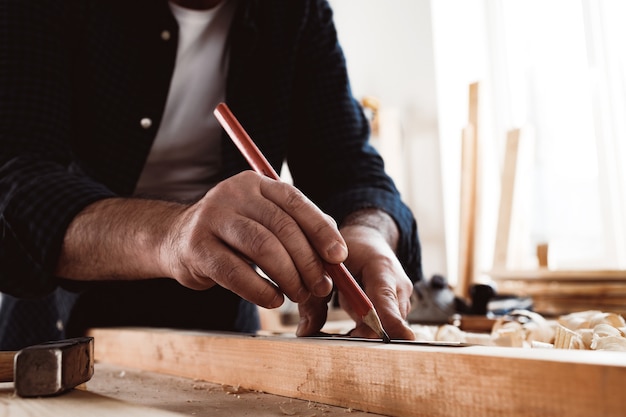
[78, 76]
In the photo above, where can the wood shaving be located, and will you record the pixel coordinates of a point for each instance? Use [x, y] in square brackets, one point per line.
[592, 330]
[616, 343]
[584, 330]
[287, 412]
[228, 389]
[508, 335]
[449, 333]
[567, 339]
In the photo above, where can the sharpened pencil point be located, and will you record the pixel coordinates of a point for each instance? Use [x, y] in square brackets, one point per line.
[373, 322]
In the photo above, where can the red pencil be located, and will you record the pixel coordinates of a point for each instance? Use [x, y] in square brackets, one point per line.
[340, 275]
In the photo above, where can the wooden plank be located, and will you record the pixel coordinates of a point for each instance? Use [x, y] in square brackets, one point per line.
[554, 307]
[76, 403]
[542, 255]
[566, 296]
[507, 193]
[193, 397]
[557, 292]
[468, 197]
[473, 109]
[390, 379]
[512, 230]
[467, 222]
[568, 288]
[559, 274]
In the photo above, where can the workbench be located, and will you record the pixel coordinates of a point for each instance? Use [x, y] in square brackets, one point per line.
[165, 372]
[124, 391]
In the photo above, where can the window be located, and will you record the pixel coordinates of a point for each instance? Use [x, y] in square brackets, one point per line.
[559, 66]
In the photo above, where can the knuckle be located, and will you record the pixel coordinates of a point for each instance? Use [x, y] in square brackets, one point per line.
[321, 227]
[312, 265]
[225, 271]
[388, 292]
[285, 226]
[251, 238]
[331, 220]
[295, 200]
[384, 264]
[231, 273]
[260, 244]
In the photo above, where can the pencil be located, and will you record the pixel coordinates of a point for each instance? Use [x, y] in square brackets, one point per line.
[344, 281]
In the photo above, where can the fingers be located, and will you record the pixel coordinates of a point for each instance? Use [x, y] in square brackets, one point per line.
[295, 269]
[313, 313]
[375, 266]
[271, 224]
[319, 229]
[390, 293]
[388, 297]
[275, 241]
[234, 273]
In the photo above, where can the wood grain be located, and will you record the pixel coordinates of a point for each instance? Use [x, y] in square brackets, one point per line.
[192, 397]
[390, 379]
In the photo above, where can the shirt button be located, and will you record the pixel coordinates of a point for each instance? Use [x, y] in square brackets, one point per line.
[145, 123]
[165, 35]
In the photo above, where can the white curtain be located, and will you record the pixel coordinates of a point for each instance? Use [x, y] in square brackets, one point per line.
[559, 68]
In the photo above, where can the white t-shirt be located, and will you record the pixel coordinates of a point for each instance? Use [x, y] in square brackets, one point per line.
[185, 157]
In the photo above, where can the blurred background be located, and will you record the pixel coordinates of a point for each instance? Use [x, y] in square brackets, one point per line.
[553, 71]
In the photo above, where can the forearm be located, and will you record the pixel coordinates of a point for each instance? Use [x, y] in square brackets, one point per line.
[118, 239]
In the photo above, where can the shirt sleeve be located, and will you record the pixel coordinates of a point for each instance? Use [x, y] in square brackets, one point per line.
[41, 186]
[330, 126]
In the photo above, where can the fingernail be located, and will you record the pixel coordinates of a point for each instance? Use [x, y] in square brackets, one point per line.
[337, 252]
[323, 287]
[276, 302]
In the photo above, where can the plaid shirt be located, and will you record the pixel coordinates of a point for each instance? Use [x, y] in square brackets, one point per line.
[78, 76]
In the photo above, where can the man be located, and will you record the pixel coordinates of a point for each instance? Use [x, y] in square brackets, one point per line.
[122, 201]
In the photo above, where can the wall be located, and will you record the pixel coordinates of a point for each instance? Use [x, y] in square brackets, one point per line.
[389, 51]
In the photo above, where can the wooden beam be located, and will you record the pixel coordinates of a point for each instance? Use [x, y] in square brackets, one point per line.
[192, 397]
[507, 193]
[512, 231]
[468, 197]
[390, 379]
[560, 275]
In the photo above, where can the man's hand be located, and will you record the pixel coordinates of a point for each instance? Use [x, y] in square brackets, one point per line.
[252, 219]
[371, 238]
[246, 219]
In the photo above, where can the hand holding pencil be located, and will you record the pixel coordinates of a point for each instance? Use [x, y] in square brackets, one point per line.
[358, 303]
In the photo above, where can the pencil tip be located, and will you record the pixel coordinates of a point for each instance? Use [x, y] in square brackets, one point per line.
[373, 321]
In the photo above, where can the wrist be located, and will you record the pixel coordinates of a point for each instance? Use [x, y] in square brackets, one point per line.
[375, 219]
